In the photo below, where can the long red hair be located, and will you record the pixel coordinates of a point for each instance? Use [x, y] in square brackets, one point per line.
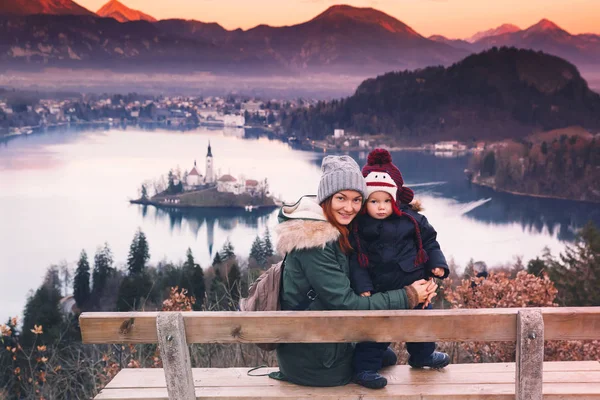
[344, 232]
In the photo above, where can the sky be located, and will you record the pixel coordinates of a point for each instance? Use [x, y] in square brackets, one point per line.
[451, 18]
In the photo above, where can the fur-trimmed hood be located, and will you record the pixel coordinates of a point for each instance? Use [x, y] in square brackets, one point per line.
[303, 226]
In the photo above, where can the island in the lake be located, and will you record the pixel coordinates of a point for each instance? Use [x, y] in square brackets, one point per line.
[194, 190]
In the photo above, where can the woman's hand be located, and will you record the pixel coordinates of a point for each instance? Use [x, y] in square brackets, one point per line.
[424, 289]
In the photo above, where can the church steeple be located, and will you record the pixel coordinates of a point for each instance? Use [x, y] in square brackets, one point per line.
[210, 175]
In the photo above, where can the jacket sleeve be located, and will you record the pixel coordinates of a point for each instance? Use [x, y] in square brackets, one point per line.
[432, 247]
[332, 284]
[359, 276]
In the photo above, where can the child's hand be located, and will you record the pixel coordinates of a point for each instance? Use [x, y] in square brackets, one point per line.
[428, 301]
[365, 294]
[439, 272]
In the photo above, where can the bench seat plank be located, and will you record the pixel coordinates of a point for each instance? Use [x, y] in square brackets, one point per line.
[473, 381]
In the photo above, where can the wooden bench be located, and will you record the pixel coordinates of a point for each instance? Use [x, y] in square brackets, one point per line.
[528, 378]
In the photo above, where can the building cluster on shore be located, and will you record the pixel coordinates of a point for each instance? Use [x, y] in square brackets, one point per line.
[18, 116]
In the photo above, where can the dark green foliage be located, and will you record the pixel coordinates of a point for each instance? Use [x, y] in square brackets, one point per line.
[137, 287]
[103, 269]
[139, 253]
[257, 252]
[144, 192]
[81, 283]
[489, 165]
[227, 252]
[268, 246]
[564, 168]
[174, 188]
[135, 291]
[234, 279]
[194, 280]
[218, 290]
[262, 250]
[43, 309]
[576, 273]
[536, 266]
[217, 259]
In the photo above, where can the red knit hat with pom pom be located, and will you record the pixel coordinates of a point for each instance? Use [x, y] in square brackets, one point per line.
[380, 160]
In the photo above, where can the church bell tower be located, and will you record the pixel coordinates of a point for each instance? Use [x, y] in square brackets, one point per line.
[210, 176]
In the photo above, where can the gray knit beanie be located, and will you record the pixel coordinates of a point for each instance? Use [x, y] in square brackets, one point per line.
[340, 173]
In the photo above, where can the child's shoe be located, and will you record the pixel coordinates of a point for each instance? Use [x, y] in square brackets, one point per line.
[436, 360]
[369, 379]
[389, 358]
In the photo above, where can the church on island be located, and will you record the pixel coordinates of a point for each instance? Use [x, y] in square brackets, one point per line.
[227, 183]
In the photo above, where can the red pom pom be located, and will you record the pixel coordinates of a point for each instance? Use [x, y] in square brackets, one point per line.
[379, 156]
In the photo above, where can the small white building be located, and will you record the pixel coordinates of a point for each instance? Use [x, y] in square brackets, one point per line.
[338, 133]
[449, 146]
[252, 186]
[237, 121]
[227, 183]
[194, 177]
[68, 305]
[363, 144]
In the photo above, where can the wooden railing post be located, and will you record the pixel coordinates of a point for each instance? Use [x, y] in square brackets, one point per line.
[175, 356]
[530, 355]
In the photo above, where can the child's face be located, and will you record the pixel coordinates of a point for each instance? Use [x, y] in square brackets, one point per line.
[379, 205]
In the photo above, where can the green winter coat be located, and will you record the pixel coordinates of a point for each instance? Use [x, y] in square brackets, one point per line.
[315, 261]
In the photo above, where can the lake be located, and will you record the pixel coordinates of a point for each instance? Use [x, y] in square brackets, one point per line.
[68, 189]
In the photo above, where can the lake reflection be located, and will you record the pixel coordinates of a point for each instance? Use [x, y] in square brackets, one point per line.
[196, 221]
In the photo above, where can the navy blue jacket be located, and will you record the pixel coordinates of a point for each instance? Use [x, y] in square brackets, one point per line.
[391, 247]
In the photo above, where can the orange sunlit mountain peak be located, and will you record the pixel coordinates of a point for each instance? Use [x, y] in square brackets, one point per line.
[365, 15]
[122, 13]
[544, 25]
[53, 7]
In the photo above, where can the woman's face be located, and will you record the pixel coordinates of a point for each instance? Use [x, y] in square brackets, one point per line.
[345, 205]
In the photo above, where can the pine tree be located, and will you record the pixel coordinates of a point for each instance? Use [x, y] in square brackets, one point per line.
[134, 291]
[257, 251]
[139, 253]
[268, 246]
[469, 271]
[144, 192]
[43, 309]
[81, 283]
[198, 287]
[536, 266]
[234, 278]
[217, 260]
[194, 280]
[103, 269]
[171, 183]
[228, 252]
[218, 290]
[576, 274]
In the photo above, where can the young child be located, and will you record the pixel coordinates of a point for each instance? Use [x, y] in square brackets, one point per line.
[394, 247]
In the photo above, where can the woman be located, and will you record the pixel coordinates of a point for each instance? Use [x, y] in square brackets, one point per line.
[313, 234]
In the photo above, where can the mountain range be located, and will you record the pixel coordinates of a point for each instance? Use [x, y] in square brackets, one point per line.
[342, 39]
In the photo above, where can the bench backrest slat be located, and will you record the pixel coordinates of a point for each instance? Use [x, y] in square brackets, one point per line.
[458, 325]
